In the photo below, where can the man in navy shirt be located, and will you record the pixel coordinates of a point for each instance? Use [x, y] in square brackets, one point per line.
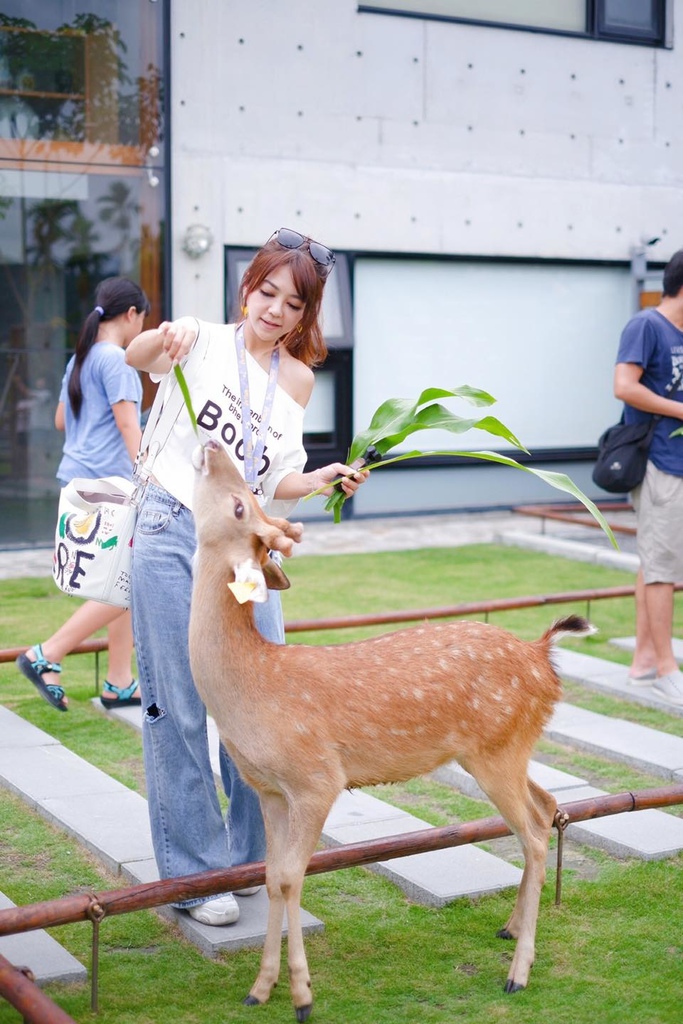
[647, 379]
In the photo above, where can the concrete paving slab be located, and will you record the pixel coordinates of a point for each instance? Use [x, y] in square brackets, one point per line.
[628, 643]
[40, 773]
[647, 835]
[432, 879]
[609, 677]
[17, 734]
[555, 781]
[623, 835]
[435, 878]
[578, 551]
[640, 746]
[111, 821]
[46, 958]
[246, 933]
[353, 807]
[115, 829]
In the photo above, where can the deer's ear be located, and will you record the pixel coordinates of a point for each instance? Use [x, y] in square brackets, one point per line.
[275, 578]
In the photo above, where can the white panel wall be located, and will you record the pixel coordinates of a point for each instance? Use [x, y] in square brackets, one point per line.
[539, 338]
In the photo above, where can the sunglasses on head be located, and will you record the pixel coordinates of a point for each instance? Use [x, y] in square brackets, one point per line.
[320, 254]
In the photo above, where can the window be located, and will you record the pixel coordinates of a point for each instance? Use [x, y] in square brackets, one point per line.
[623, 21]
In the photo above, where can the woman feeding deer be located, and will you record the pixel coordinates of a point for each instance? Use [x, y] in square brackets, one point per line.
[250, 383]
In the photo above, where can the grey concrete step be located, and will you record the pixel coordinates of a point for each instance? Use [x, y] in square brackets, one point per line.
[112, 822]
[577, 550]
[648, 835]
[43, 955]
[609, 677]
[433, 878]
[628, 643]
[646, 749]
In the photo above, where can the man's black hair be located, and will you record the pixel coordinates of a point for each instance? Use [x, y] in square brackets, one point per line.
[673, 275]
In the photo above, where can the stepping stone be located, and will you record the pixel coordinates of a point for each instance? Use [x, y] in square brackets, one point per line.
[649, 834]
[434, 878]
[555, 781]
[576, 550]
[646, 749]
[628, 643]
[609, 677]
[37, 950]
[112, 822]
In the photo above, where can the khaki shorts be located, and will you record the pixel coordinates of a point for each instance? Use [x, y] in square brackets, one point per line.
[658, 503]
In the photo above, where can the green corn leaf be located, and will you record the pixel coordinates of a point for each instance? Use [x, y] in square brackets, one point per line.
[398, 418]
[182, 384]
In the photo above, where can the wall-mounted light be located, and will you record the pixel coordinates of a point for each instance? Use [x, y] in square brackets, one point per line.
[197, 241]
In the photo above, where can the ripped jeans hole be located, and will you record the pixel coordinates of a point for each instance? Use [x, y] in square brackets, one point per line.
[153, 713]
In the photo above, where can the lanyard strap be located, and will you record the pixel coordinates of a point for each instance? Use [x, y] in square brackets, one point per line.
[253, 453]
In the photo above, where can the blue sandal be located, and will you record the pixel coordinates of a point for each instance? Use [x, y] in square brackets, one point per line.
[35, 670]
[124, 698]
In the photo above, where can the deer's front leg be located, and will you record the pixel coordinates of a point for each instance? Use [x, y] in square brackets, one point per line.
[306, 818]
[275, 812]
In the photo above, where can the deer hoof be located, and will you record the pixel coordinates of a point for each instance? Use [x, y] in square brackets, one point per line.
[302, 1013]
[504, 934]
[251, 1001]
[513, 986]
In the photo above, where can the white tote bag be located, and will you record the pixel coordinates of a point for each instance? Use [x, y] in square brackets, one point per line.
[94, 538]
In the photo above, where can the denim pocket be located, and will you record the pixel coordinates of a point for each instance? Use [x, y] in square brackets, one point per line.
[154, 520]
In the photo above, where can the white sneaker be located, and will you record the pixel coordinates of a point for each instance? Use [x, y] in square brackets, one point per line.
[670, 686]
[223, 910]
[250, 890]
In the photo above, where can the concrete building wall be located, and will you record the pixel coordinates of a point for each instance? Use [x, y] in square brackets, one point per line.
[385, 134]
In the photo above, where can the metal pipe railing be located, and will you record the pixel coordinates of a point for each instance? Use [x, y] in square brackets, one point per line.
[17, 988]
[80, 907]
[454, 611]
[32, 1003]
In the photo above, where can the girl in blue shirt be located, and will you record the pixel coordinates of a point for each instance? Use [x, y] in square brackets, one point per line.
[99, 411]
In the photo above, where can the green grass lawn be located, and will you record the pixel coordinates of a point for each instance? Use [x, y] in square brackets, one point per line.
[611, 952]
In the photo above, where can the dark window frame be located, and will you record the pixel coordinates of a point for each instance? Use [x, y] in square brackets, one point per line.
[597, 27]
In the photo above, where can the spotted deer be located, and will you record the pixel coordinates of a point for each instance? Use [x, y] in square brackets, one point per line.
[303, 723]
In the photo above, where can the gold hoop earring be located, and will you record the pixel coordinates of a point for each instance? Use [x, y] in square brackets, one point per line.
[245, 310]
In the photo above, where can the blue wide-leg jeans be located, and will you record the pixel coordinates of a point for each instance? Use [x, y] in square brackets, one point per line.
[188, 831]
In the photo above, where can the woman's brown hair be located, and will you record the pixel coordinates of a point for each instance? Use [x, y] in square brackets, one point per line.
[306, 341]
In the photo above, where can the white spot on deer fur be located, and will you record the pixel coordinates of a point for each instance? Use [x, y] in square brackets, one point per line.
[536, 674]
[514, 682]
[418, 694]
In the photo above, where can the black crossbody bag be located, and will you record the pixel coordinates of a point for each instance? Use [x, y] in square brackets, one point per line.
[623, 451]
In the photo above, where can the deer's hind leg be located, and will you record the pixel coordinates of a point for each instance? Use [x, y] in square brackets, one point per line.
[529, 811]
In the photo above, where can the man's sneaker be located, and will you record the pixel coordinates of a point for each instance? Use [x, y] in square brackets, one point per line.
[670, 686]
[250, 890]
[223, 910]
